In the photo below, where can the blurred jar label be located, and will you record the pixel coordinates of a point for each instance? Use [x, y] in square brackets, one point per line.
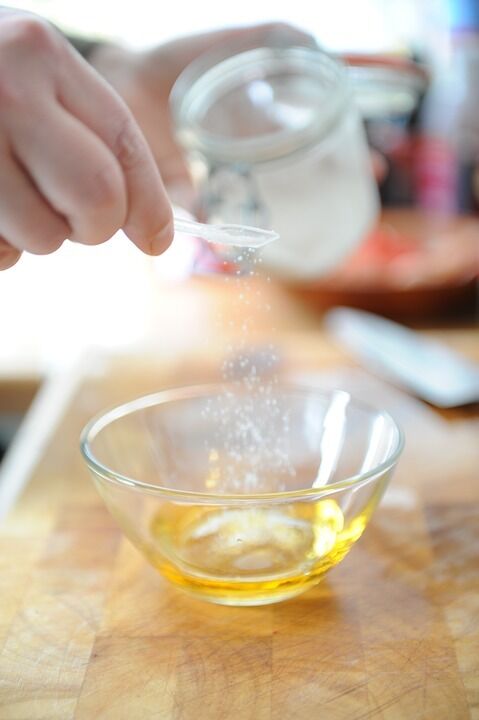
[468, 187]
[444, 183]
[436, 175]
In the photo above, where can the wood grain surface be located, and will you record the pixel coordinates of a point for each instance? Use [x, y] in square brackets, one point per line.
[89, 630]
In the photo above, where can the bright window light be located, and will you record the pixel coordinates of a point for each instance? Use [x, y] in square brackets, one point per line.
[359, 25]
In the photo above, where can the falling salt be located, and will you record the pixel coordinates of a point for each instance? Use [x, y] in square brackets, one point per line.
[250, 426]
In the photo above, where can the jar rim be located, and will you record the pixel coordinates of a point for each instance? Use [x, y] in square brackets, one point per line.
[199, 85]
[385, 86]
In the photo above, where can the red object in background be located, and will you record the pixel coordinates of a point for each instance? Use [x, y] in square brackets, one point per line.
[413, 266]
[383, 245]
[208, 261]
[436, 175]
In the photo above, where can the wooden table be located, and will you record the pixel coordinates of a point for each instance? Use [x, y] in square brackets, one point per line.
[88, 630]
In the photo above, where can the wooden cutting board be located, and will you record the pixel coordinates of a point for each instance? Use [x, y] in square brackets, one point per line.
[88, 630]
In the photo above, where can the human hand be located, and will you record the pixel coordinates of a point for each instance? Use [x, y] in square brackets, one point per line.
[73, 162]
[145, 79]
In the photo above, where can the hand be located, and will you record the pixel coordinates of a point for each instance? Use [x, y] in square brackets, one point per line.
[145, 79]
[73, 162]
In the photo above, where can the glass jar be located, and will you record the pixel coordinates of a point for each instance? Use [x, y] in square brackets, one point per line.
[274, 139]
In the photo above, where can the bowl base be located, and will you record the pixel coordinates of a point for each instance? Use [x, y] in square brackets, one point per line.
[244, 594]
[253, 555]
[254, 601]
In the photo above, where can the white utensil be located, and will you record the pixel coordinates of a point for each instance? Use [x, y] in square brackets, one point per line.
[428, 369]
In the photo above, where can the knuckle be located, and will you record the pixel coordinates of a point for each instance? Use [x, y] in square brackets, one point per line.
[102, 191]
[129, 146]
[279, 26]
[30, 33]
[24, 43]
[283, 33]
[272, 29]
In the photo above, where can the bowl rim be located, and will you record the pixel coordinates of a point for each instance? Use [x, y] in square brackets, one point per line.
[102, 419]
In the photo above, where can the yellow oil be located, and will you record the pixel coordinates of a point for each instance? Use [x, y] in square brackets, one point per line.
[251, 555]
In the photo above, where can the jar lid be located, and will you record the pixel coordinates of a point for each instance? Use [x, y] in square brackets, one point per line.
[259, 105]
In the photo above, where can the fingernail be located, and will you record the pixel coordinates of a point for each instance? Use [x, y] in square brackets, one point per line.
[162, 240]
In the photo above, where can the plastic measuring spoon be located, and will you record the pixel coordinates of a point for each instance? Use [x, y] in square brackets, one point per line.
[235, 235]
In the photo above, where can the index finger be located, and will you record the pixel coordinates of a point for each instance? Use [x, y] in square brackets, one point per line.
[149, 221]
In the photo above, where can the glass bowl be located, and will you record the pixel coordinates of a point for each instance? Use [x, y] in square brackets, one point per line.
[243, 493]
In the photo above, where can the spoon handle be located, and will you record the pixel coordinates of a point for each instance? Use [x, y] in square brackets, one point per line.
[191, 227]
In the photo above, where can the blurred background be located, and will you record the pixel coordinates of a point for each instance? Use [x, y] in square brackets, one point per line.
[363, 25]
[425, 134]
